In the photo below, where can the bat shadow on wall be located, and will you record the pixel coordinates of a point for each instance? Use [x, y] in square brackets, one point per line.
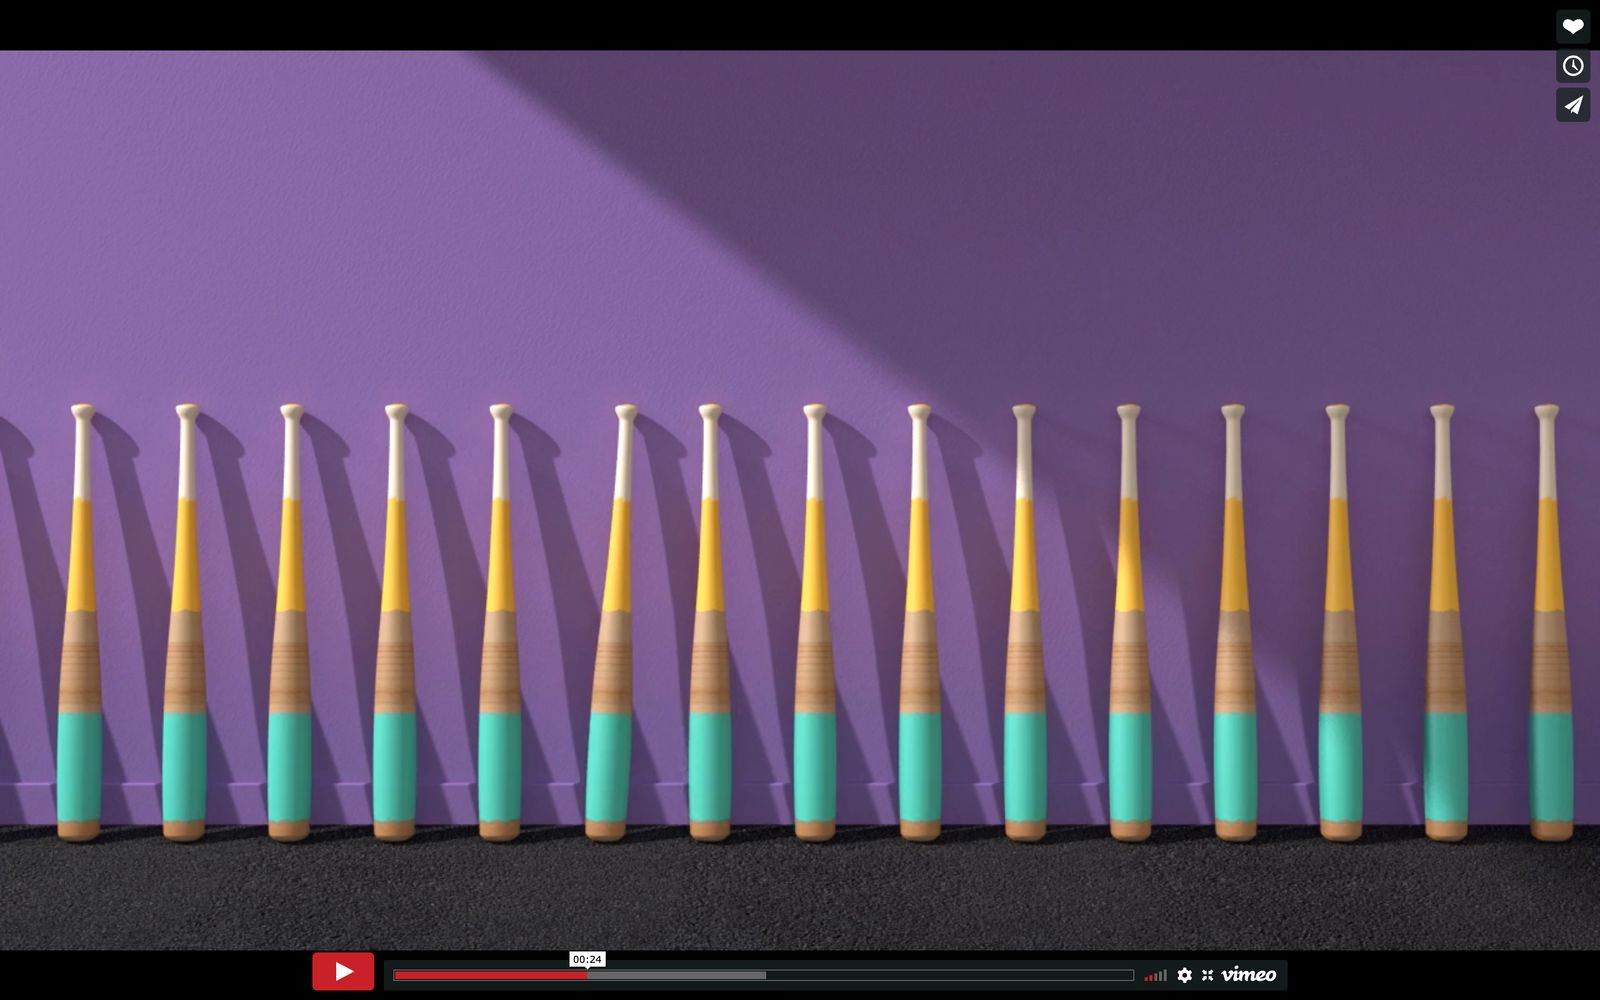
[989, 582]
[252, 576]
[151, 587]
[577, 617]
[359, 588]
[463, 582]
[780, 597]
[47, 594]
[680, 539]
[1063, 455]
[884, 576]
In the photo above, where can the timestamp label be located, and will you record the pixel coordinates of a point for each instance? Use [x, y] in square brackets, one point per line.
[586, 959]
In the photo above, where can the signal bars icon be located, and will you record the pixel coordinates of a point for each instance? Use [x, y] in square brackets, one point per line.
[1156, 977]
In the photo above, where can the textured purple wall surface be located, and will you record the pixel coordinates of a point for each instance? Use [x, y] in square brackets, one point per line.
[566, 232]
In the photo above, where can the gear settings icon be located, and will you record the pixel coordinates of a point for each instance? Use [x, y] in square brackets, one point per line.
[1184, 975]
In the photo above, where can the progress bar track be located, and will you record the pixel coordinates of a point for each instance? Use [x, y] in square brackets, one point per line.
[1141, 974]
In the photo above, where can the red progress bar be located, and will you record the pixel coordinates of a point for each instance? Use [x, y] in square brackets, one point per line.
[447, 975]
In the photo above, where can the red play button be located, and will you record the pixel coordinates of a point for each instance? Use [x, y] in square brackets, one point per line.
[342, 970]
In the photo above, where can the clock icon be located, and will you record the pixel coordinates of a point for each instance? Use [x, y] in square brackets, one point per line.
[1572, 66]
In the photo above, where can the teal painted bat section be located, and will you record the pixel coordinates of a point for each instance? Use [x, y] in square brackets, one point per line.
[1444, 767]
[1339, 766]
[78, 763]
[1234, 760]
[816, 766]
[921, 766]
[288, 767]
[499, 767]
[710, 766]
[1129, 767]
[605, 791]
[1025, 767]
[1550, 765]
[394, 767]
[183, 766]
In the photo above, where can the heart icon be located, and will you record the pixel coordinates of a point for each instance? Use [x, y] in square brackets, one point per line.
[1573, 25]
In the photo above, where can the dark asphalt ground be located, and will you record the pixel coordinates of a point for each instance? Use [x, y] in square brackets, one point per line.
[762, 889]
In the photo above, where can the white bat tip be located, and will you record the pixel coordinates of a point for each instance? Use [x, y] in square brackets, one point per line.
[1338, 411]
[1128, 411]
[500, 411]
[188, 411]
[291, 411]
[83, 411]
[1441, 411]
[397, 411]
[919, 411]
[710, 411]
[1024, 411]
[627, 411]
[1546, 410]
[1233, 411]
[815, 411]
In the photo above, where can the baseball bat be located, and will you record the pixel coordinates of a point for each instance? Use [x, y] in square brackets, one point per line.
[79, 730]
[183, 723]
[394, 725]
[1444, 757]
[1129, 756]
[500, 684]
[1339, 702]
[816, 750]
[1550, 708]
[1025, 758]
[710, 728]
[1234, 723]
[605, 808]
[920, 738]
[289, 690]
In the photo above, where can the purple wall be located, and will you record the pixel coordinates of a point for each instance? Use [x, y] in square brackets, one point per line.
[567, 232]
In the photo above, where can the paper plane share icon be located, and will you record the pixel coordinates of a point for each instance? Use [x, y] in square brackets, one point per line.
[1572, 105]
